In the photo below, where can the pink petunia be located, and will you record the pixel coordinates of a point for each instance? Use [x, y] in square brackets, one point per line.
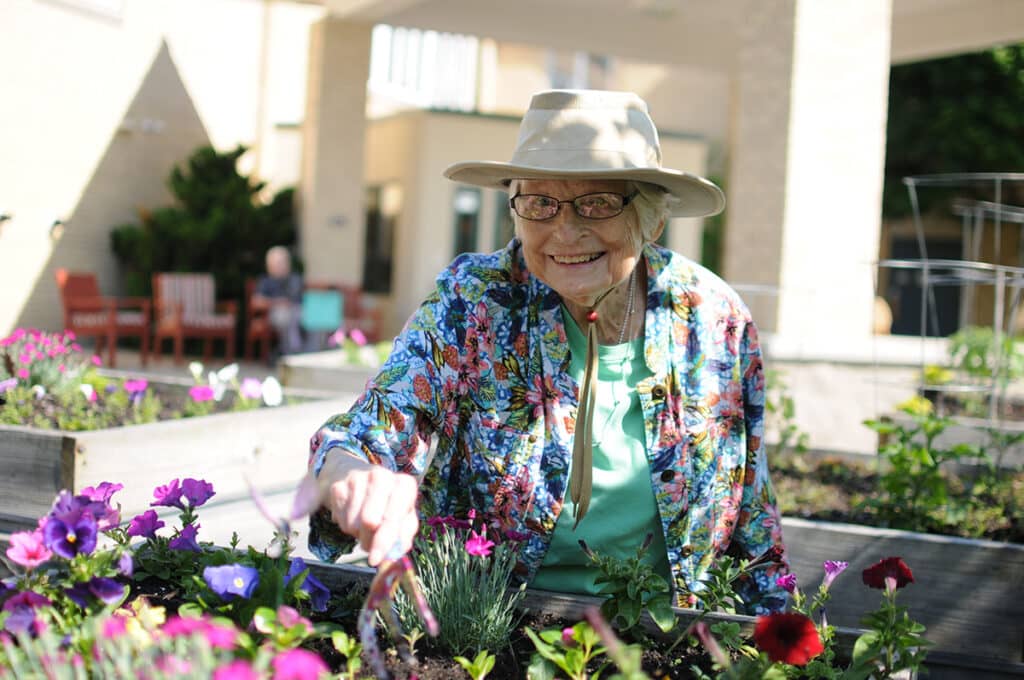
[239, 669]
[787, 582]
[298, 664]
[133, 386]
[23, 373]
[28, 549]
[357, 337]
[251, 388]
[96, 361]
[478, 545]
[201, 393]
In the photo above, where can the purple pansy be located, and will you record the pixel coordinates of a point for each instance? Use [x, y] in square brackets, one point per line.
[21, 609]
[196, 491]
[106, 590]
[186, 539]
[71, 537]
[125, 564]
[319, 595]
[232, 580]
[145, 525]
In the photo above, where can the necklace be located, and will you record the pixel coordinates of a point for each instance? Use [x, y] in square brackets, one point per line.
[629, 307]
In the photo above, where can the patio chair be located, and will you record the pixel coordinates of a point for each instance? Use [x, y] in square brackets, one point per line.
[356, 313]
[185, 306]
[87, 313]
[258, 329]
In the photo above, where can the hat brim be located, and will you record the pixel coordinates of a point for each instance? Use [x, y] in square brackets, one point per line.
[698, 197]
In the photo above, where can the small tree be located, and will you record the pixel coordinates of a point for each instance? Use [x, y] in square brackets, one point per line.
[219, 225]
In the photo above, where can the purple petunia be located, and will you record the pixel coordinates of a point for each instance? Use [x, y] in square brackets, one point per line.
[125, 564]
[145, 525]
[196, 491]
[186, 539]
[168, 495]
[232, 580]
[70, 536]
[319, 595]
[102, 492]
[832, 570]
[787, 582]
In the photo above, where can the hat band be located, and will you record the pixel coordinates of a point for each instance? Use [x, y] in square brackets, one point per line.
[568, 159]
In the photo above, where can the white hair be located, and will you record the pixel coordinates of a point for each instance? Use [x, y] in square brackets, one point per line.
[653, 204]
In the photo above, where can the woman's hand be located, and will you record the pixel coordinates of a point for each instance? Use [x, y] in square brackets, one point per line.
[373, 504]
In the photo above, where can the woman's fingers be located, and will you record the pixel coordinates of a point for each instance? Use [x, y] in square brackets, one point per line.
[378, 507]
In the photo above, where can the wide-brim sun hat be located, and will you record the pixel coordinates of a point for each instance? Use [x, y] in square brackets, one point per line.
[592, 134]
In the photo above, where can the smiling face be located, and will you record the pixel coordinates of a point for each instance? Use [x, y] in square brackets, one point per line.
[579, 258]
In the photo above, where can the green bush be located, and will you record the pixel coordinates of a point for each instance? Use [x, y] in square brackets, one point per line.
[219, 224]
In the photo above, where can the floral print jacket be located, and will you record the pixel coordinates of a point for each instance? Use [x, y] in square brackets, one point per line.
[483, 365]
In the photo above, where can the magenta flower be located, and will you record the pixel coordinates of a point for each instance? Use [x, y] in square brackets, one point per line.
[357, 336]
[113, 627]
[290, 617]
[567, 637]
[96, 361]
[298, 664]
[478, 545]
[23, 373]
[239, 669]
[201, 393]
[28, 549]
[219, 636]
[102, 492]
[71, 537]
[251, 388]
[196, 491]
[832, 569]
[232, 580]
[787, 582]
[145, 525]
[136, 386]
[186, 539]
[168, 495]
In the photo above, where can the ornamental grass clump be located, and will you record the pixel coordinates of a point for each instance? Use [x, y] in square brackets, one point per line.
[464, 568]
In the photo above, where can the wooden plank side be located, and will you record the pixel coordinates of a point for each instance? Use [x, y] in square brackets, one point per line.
[966, 592]
[34, 466]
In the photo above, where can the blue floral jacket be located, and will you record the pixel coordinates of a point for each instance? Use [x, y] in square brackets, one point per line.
[483, 365]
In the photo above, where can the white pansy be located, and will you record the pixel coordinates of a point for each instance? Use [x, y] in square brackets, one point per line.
[228, 373]
[86, 388]
[196, 369]
[40, 391]
[272, 393]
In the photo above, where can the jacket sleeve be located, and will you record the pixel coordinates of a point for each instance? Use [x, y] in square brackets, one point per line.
[758, 532]
[392, 422]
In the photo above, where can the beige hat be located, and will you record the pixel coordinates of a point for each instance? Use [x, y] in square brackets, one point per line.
[579, 134]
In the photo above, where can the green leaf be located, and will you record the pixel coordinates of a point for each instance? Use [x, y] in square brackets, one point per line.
[540, 669]
[265, 620]
[660, 608]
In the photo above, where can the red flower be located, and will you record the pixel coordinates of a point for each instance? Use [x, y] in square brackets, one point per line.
[893, 568]
[789, 638]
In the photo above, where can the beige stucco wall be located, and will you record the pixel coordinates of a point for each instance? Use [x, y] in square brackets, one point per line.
[97, 109]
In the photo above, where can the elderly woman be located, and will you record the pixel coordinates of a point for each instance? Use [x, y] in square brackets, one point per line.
[583, 382]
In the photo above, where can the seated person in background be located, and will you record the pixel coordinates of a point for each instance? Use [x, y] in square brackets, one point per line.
[280, 290]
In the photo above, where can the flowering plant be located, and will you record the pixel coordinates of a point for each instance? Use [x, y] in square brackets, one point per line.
[790, 644]
[464, 566]
[356, 350]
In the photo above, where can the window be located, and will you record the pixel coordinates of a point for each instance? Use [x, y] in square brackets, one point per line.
[466, 206]
[383, 205]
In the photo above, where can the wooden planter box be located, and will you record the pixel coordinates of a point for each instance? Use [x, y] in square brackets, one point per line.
[967, 592]
[941, 664]
[270, 445]
[324, 371]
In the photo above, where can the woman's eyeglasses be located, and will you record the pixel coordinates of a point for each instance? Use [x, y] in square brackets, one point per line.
[597, 206]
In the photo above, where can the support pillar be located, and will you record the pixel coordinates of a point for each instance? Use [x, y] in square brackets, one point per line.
[332, 212]
[807, 162]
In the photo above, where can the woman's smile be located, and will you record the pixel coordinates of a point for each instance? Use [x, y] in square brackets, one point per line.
[574, 260]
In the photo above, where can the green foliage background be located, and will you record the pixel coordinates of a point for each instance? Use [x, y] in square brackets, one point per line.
[958, 114]
[219, 224]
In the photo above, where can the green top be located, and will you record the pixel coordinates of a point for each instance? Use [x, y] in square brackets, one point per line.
[622, 508]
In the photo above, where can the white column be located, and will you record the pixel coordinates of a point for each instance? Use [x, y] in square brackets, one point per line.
[332, 213]
[807, 162]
